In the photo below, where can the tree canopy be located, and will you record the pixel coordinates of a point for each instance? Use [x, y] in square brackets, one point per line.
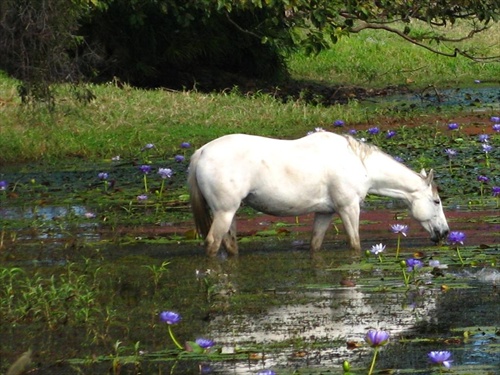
[172, 42]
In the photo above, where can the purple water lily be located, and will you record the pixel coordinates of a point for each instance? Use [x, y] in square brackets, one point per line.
[399, 228]
[483, 138]
[145, 168]
[179, 158]
[496, 127]
[413, 264]
[440, 358]
[185, 145]
[377, 249]
[374, 130]
[204, 343]
[148, 146]
[390, 134]
[376, 338]
[165, 172]
[338, 123]
[456, 238]
[450, 152]
[495, 119]
[142, 198]
[103, 176]
[495, 191]
[453, 126]
[3, 185]
[483, 179]
[170, 317]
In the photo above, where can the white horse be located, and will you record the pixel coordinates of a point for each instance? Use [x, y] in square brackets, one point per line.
[322, 173]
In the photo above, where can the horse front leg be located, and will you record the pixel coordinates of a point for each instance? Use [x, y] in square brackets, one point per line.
[320, 226]
[350, 219]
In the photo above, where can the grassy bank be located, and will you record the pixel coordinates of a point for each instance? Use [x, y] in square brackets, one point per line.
[122, 119]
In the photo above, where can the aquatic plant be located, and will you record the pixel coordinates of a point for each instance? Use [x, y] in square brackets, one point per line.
[3, 185]
[373, 130]
[164, 174]
[148, 146]
[487, 149]
[455, 238]
[409, 268]
[103, 176]
[338, 123]
[171, 318]
[440, 358]
[453, 126]
[399, 229]
[390, 134]
[451, 153]
[266, 372]
[376, 339]
[145, 169]
[482, 180]
[185, 145]
[179, 158]
[495, 191]
[377, 250]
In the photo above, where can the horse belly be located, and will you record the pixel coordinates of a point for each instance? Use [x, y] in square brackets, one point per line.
[277, 203]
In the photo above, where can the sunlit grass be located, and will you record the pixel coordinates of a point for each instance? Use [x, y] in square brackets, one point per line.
[378, 59]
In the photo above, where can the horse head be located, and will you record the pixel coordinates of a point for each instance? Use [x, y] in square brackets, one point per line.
[426, 208]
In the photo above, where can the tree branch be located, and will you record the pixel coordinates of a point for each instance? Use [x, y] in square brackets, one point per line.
[380, 26]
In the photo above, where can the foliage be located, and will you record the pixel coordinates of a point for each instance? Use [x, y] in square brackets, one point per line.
[178, 43]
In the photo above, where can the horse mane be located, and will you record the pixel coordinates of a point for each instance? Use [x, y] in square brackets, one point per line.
[362, 149]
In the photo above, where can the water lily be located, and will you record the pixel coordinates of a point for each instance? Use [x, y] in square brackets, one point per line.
[204, 343]
[142, 198]
[164, 174]
[455, 238]
[483, 138]
[145, 169]
[3, 185]
[179, 158]
[338, 123]
[266, 372]
[399, 229]
[413, 264]
[496, 127]
[450, 152]
[352, 132]
[390, 134]
[185, 145]
[441, 358]
[495, 119]
[103, 176]
[495, 191]
[376, 339]
[148, 146]
[171, 318]
[377, 250]
[453, 126]
[374, 130]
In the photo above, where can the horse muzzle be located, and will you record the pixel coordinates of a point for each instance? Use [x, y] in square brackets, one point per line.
[438, 235]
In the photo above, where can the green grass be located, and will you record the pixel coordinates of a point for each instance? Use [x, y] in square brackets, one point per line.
[378, 59]
[123, 119]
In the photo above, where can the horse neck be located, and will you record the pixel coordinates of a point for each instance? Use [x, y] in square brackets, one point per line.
[390, 178]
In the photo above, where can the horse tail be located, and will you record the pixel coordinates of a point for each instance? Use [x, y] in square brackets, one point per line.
[199, 206]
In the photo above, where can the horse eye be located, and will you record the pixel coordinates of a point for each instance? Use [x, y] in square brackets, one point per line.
[437, 201]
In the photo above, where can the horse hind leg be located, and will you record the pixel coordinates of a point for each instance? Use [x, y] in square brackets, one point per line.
[221, 225]
[229, 239]
[320, 226]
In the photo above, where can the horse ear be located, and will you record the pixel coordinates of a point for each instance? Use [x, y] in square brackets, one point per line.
[430, 177]
[423, 174]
